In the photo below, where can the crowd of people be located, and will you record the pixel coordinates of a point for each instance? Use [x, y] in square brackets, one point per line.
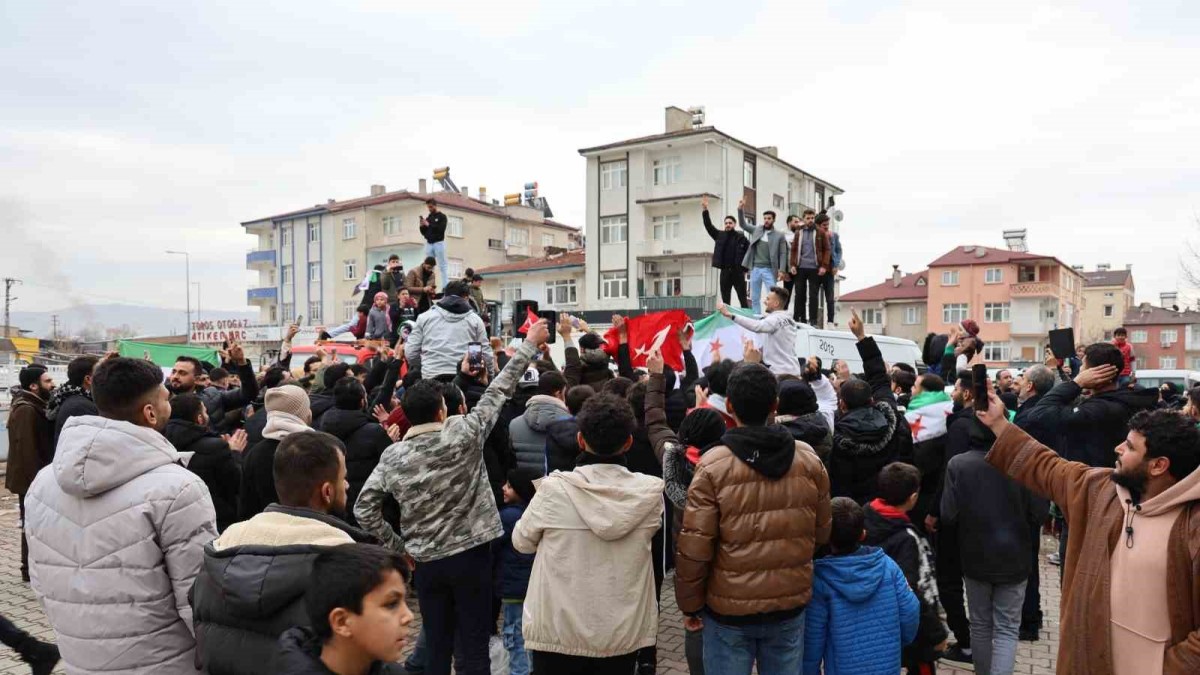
[224, 520]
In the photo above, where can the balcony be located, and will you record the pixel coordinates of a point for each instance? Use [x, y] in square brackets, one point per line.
[704, 303]
[1034, 289]
[261, 296]
[260, 259]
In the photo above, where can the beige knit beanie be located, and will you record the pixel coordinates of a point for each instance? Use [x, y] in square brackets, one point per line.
[289, 399]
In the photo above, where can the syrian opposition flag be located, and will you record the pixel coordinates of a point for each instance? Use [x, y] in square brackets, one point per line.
[716, 333]
[366, 282]
[650, 332]
[927, 413]
[530, 319]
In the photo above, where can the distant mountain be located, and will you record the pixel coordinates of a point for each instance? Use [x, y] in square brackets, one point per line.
[141, 320]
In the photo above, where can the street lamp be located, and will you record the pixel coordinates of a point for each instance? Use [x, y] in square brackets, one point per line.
[187, 267]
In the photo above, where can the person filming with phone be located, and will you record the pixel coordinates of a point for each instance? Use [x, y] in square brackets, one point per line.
[441, 337]
[433, 228]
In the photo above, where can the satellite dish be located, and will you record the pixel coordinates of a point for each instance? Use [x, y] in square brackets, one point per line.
[837, 215]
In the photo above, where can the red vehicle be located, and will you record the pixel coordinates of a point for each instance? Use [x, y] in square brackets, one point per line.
[348, 352]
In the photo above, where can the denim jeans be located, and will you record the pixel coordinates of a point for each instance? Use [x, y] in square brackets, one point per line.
[514, 641]
[995, 620]
[760, 277]
[438, 251]
[777, 647]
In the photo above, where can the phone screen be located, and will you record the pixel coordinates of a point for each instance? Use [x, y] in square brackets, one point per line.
[551, 318]
[979, 375]
[475, 354]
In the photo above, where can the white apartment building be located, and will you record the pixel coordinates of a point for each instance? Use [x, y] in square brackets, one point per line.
[648, 249]
[309, 262]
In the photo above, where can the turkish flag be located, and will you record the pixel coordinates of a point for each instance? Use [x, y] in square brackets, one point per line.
[650, 332]
[530, 319]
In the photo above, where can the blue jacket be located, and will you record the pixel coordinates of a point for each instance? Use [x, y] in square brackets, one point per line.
[862, 612]
[512, 577]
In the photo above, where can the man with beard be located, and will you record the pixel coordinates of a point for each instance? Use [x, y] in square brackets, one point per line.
[252, 583]
[75, 397]
[185, 378]
[116, 530]
[30, 442]
[1131, 581]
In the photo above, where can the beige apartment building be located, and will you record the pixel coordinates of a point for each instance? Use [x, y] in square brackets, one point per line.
[310, 261]
[1107, 297]
[896, 307]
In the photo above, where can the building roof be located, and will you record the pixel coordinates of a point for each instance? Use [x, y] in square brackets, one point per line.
[696, 131]
[452, 200]
[970, 255]
[569, 259]
[1106, 278]
[912, 287]
[1146, 315]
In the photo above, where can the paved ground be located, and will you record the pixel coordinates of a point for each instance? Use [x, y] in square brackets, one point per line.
[18, 603]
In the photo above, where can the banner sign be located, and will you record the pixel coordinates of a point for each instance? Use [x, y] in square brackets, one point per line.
[217, 331]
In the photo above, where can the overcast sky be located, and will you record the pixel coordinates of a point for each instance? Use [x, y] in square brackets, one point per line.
[129, 128]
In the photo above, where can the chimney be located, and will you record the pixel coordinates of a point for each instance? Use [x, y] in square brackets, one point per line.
[1103, 267]
[1015, 240]
[466, 192]
[771, 150]
[331, 200]
[1168, 299]
[422, 186]
[677, 119]
[482, 194]
[896, 276]
[377, 190]
[1129, 267]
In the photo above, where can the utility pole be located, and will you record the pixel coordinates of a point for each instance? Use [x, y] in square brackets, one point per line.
[9, 282]
[187, 268]
[54, 327]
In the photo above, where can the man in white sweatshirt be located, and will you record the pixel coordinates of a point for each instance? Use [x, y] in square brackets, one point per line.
[779, 341]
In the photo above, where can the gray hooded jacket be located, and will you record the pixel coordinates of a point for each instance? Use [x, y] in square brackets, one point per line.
[438, 343]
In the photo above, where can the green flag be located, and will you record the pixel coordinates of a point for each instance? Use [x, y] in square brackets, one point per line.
[165, 355]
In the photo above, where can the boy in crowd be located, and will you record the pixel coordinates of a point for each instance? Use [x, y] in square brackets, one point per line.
[513, 569]
[1121, 340]
[356, 606]
[889, 527]
[862, 610]
[377, 320]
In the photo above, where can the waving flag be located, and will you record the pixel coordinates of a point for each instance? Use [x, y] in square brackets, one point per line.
[927, 413]
[530, 319]
[715, 332]
[650, 332]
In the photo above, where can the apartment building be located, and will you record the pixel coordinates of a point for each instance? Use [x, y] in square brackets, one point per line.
[1107, 298]
[1164, 337]
[647, 246]
[310, 261]
[1016, 296]
[556, 282]
[897, 307]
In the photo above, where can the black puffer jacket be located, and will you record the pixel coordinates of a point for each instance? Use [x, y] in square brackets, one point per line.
[299, 653]
[213, 462]
[562, 445]
[319, 404]
[590, 368]
[72, 406]
[529, 432]
[812, 429]
[365, 442]
[246, 596]
[219, 401]
[1090, 431]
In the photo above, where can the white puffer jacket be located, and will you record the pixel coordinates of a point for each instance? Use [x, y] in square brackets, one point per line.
[116, 530]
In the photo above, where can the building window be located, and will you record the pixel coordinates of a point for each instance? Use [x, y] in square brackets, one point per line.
[454, 268]
[314, 232]
[1168, 337]
[612, 175]
[668, 170]
[454, 226]
[748, 173]
[1138, 336]
[496, 244]
[285, 276]
[665, 227]
[1108, 295]
[614, 285]
[285, 236]
[614, 230]
[547, 240]
[912, 316]
[819, 196]
[348, 307]
[950, 278]
[561, 292]
[518, 236]
[349, 228]
[271, 240]
[1166, 362]
[666, 287]
[314, 311]
[510, 292]
[996, 312]
[778, 203]
[1108, 311]
[391, 226]
[314, 271]
[993, 275]
[872, 316]
[289, 311]
[997, 351]
[1196, 363]
[955, 312]
[349, 269]
[274, 314]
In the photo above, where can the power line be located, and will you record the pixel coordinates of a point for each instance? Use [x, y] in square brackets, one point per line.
[8, 299]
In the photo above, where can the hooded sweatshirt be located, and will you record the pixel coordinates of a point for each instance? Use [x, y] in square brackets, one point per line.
[1141, 630]
[862, 613]
[591, 592]
[116, 531]
[439, 340]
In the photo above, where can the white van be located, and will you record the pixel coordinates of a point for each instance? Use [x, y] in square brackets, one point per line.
[1153, 379]
[842, 346]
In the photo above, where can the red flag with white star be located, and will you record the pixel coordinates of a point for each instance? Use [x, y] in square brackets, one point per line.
[530, 319]
[648, 332]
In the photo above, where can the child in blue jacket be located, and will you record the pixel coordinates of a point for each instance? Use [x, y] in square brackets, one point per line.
[862, 611]
[514, 569]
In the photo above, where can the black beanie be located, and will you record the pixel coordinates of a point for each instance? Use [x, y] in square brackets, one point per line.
[702, 428]
[30, 375]
[796, 397]
[522, 483]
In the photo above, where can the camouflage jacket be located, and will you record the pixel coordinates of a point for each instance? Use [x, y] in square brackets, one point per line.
[436, 473]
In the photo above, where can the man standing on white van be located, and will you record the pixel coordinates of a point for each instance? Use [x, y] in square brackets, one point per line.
[779, 332]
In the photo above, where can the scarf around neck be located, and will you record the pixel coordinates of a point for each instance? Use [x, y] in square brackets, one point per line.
[62, 393]
[280, 424]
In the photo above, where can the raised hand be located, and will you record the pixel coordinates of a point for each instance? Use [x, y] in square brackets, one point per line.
[393, 433]
[1091, 378]
[237, 440]
[750, 352]
[538, 333]
[856, 325]
[685, 337]
[380, 413]
[704, 202]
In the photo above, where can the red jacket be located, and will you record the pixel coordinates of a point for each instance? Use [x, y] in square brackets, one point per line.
[1127, 352]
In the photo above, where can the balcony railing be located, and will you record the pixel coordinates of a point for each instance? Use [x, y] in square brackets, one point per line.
[260, 258]
[1033, 289]
[657, 304]
[267, 294]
